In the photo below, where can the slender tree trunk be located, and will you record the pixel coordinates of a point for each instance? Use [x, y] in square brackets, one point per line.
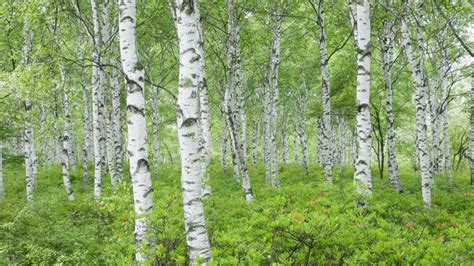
[471, 142]
[28, 134]
[362, 175]
[110, 150]
[387, 62]
[420, 101]
[97, 105]
[189, 128]
[255, 141]
[137, 134]
[295, 142]
[304, 146]
[266, 132]
[155, 129]
[233, 141]
[444, 116]
[86, 121]
[325, 133]
[223, 130]
[274, 65]
[205, 114]
[285, 148]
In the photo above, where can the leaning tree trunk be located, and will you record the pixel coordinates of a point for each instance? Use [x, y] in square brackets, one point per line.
[387, 63]
[362, 175]
[189, 114]
[137, 136]
[325, 133]
[420, 101]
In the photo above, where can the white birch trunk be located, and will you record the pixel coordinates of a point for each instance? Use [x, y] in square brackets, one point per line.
[155, 129]
[444, 117]
[255, 141]
[223, 129]
[471, 134]
[97, 105]
[28, 134]
[86, 121]
[189, 114]
[295, 143]
[362, 175]
[285, 148]
[137, 134]
[420, 101]
[387, 63]
[110, 150]
[325, 133]
[274, 65]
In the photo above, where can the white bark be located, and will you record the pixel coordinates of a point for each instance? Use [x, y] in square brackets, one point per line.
[419, 83]
[471, 134]
[86, 119]
[255, 141]
[204, 105]
[28, 134]
[137, 134]
[97, 105]
[274, 65]
[387, 63]
[189, 114]
[155, 128]
[295, 143]
[225, 138]
[325, 133]
[362, 175]
[285, 147]
[234, 107]
[444, 117]
[110, 150]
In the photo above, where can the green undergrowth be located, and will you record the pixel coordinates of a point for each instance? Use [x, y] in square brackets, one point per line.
[304, 222]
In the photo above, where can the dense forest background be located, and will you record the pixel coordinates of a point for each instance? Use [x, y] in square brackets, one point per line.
[236, 132]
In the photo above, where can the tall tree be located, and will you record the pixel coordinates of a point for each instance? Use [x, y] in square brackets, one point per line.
[137, 136]
[362, 174]
[419, 82]
[189, 127]
[388, 40]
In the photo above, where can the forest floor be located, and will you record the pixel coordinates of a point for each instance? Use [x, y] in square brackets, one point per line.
[305, 221]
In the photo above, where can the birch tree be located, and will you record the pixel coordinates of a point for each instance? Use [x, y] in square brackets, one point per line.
[28, 133]
[97, 104]
[362, 174]
[188, 113]
[137, 136]
[2, 186]
[420, 85]
[387, 64]
[325, 133]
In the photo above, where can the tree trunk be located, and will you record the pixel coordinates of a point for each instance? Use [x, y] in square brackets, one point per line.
[255, 141]
[97, 105]
[205, 114]
[223, 130]
[387, 63]
[284, 135]
[28, 135]
[86, 121]
[420, 101]
[325, 133]
[362, 175]
[155, 128]
[444, 117]
[471, 142]
[189, 115]
[295, 143]
[137, 134]
[274, 65]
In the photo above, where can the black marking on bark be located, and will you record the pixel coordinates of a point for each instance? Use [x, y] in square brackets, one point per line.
[135, 110]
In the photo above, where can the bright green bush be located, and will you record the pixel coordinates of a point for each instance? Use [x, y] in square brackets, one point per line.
[303, 222]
